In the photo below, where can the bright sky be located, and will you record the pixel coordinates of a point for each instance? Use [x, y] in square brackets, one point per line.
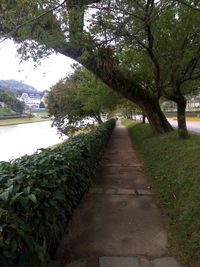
[48, 73]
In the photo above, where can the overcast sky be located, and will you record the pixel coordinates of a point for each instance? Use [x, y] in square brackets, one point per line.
[42, 77]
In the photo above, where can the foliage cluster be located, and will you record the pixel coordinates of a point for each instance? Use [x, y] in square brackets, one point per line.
[79, 97]
[127, 108]
[6, 111]
[39, 192]
[174, 166]
[12, 102]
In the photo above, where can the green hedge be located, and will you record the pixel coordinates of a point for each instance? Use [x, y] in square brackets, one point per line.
[39, 192]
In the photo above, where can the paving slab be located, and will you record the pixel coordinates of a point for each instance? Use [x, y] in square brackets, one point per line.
[122, 177]
[119, 157]
[96, 190]
[165, 262]
[125, 191]
[119, 225]
[76, 264]
[119, 144]
[110, 191]
[118, 262]
[144, 262]
[144, 192]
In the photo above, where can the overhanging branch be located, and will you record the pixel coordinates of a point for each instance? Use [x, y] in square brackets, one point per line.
[188, 5]
[31, 21]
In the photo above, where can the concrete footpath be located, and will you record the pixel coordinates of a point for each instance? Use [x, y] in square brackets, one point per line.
[117, 223]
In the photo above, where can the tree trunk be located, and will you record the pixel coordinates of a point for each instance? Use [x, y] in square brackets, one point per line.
[156, 117]
[182, 127]
[107, 71]
[98, 118]
[143, 118]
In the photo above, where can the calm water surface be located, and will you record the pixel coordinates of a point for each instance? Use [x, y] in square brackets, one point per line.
[21, 139]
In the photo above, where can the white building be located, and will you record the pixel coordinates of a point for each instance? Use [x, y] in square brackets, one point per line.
[193, 103]
[2, 104]
[33, 100]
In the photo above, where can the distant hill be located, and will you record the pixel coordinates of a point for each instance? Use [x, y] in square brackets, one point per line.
[16, 87]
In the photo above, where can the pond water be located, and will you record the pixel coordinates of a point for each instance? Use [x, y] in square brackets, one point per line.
[21, 139]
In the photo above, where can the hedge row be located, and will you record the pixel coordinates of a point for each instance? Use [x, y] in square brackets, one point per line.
[39, 192]
[6, 117]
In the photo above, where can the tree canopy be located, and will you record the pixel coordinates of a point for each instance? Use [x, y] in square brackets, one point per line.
[12, 102]
[78, 98]
[143, 49]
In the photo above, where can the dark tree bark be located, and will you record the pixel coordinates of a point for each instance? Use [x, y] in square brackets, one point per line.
[143, 118]
[181, 102]
[156, 117]
[182, 127]
[98, 118]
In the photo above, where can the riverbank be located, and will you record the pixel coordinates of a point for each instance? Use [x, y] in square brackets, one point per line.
[21, 121]
[174, 166]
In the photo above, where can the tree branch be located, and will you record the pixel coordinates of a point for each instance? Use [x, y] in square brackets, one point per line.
[68, 3]
[188, 5]
[31, 21]
[189, 69]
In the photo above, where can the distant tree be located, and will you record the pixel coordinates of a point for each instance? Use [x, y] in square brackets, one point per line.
[127, 108]
[12, 102]
[42, 105]
[77, 98]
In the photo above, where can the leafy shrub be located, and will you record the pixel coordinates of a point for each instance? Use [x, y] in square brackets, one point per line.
[39, 192]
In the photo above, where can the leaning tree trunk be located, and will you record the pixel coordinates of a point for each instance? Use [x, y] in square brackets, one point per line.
[182, 127]
[105, 68]
[98, 118]
[156, 117]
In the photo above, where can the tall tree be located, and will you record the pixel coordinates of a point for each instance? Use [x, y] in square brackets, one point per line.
[48, 25]
[163, 54]
[180, 55]
[97, 43]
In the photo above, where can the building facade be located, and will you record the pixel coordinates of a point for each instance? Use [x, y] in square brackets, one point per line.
[33, 100]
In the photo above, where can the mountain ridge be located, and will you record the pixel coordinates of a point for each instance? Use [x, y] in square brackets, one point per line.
[17, 87]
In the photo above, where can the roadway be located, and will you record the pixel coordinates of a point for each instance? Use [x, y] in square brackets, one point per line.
[193, 126]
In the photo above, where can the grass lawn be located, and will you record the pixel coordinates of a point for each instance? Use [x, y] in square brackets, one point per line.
[6, 111]
[173, 166]
[21, 120]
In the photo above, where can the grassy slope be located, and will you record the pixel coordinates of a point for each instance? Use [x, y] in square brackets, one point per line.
[21, 120]
[174, 167]
[6, 111]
